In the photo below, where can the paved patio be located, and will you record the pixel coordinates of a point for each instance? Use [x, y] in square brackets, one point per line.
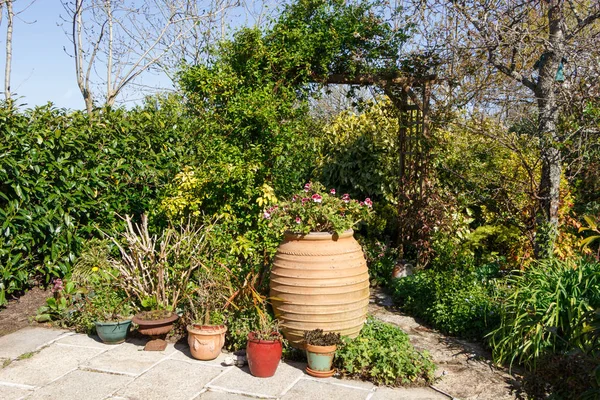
[39, 363]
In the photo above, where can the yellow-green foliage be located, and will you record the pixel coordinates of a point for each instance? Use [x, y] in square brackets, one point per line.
[360, 152]
[493, 172]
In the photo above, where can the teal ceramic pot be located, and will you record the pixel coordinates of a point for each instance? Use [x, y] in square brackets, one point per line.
[320, 358]
[113, 332]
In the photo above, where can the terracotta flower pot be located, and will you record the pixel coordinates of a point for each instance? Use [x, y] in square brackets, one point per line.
[155, 327]
[263, 355]
[320, 359]
[206, 341]
[319, 280]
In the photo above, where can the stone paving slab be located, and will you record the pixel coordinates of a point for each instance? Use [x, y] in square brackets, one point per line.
[367, 386]
[84, 341]
[12, 393]
[27, 340]
[128, 358]
[407, 394]
[171, 379]
[314, 390]
[214, 395]
[47, 365]
[182, 353]
[82, 385]
[239, 380]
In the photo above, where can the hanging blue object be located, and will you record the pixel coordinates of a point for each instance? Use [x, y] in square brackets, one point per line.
[560, 72]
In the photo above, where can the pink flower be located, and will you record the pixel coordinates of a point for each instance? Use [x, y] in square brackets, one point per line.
[58, 285]
[346, 198]
[304, 200]
[267, 215]
[317, 198]
[368, 202]
[307, 187]
[294, 198]
[298, 220]
[362, 203]
[332, 191]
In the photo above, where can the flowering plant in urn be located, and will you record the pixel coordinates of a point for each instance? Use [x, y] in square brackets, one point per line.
[317, 209]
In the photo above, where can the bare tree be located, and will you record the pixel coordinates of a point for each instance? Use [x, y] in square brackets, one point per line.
[10, 19]
[537, 57]
[10, 15]
[125, 38]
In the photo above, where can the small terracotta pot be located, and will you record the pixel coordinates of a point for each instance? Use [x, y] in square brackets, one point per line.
[263, 355]
[320, 359]
[206, 341]
[155, 327]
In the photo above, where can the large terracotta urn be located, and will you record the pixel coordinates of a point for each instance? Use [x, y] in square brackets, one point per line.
[319, 280]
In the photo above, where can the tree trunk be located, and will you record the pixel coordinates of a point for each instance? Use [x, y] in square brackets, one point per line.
[549, 189]
[9, 33]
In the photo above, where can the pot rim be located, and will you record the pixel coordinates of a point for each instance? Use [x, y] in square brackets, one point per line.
[253, 339]
[119, 322]
[202, 329]
[155, 322]
[318, 235]
[320, 349]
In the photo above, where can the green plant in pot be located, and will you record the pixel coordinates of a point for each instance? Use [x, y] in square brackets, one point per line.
[264, 347]
[156, 271]
[320, 349]
[112, 315]
[206, 337]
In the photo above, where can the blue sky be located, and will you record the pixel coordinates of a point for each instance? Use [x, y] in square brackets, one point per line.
[41, 70]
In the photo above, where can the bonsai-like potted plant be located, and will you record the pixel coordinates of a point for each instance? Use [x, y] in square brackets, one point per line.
[319, 275]
[156, 270]
[264, 347]
[320, 350]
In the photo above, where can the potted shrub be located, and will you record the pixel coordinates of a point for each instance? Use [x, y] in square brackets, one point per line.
[205, 339]
[319, 277]
[320, 349]
[156, 271]
[264, 348]
[112, 314]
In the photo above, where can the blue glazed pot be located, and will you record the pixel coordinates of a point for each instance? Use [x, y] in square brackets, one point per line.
[113, 332]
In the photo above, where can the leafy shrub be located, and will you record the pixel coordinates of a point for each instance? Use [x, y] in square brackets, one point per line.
[456, 303]
[62, 178]
[545, 312]
[383, 354]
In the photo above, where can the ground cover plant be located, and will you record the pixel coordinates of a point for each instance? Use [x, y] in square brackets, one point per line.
[383, 354]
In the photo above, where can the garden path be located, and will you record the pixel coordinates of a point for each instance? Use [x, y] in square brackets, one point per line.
[464, 369]
[41, 363]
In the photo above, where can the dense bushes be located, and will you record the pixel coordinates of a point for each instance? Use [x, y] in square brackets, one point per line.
[457, 303]
[545, 318]
[63, 177]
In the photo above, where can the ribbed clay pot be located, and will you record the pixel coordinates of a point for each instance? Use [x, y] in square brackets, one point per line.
[206, 341]
[319, 280]
[263, 355]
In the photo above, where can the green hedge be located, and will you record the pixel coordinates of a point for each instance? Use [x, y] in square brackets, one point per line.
[62, 178]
